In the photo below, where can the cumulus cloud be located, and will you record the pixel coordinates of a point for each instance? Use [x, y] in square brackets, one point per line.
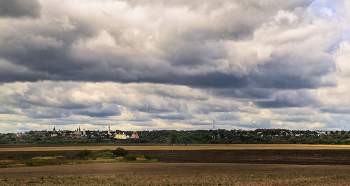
[20, 8]
[173, 64]
[178, 43]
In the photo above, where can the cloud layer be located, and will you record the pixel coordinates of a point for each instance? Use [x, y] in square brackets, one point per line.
[173, 64]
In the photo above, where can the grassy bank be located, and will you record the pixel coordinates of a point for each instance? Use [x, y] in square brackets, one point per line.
[119, 155]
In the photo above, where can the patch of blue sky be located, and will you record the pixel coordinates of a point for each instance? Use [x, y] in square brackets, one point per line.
[325, 5]
[323, 9]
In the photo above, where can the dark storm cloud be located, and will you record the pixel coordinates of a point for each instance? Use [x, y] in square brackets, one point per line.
[172, 63]
[97, 114]
[300, 98]
[213, 80]
[19, 8]
[294, 73]
[49, 55]
[278, 104]
[4, 110]
[247, 93]
[336, 110]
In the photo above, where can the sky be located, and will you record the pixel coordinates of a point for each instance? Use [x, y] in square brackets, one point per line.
[174, 64]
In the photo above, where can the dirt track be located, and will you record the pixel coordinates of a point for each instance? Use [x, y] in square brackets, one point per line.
[168, 169]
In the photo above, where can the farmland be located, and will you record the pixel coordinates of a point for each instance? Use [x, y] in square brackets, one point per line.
[248, 153]
[177, 174]
[264, 164]
[57, 147]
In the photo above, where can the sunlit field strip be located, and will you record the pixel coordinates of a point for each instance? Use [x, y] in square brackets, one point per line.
[187, 147]
[177, 174]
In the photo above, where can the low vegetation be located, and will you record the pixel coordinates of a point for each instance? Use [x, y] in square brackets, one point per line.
[118, 155]
[194, 179]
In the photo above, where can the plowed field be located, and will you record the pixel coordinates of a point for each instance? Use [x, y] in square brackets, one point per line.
[273, 156]
[177, 174]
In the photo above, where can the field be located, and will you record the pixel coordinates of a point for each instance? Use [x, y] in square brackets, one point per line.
[265, 154]
[58, 147]
[190, 165]
[177, 174]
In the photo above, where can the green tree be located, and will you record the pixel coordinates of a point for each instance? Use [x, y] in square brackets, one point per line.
[173, 137]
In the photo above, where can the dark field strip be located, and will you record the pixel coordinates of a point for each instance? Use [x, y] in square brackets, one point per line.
[63, 145]
[297, 157]
[168, 169]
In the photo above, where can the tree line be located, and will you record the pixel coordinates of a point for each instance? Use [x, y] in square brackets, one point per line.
[221, 136]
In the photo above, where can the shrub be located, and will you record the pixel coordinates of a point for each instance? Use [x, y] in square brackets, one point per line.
[10, 157]
[143, 156]
[120, 152]
[153, 161]
[146, 156]
[105, 154]
[129, 157]
[43, 155]
[83, 153]
[30, 163]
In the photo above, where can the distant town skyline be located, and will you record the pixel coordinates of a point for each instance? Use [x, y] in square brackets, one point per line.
[182, 65]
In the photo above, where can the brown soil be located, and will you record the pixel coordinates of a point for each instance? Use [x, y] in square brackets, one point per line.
[177, 174]
[122, 169]
[300, 157]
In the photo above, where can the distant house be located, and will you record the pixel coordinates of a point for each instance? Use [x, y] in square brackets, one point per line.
[120, 136]
[77, 133]
[40, 133]
[134, 135]
[21, 135]
[321, 133]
